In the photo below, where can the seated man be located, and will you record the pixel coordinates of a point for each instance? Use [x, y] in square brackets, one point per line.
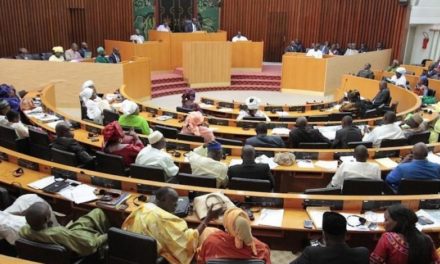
[315, 51]
[366, 72]
[210, 165]
[84, 236]
[4, 108]
[252, 105]
[84, 50]
[414, 166]
[249, 169]
[399, 78]
[137, 37]
[115, 57]
[65, 141]
[336, 251]
[73, 54]
[164, 27]
[131, 117]
[12, 218]
[389, 130]
[175, 241]
[239, 37]
[23, 54]
[263, 140]
[94, 104]
[302, 133]
[414, 124]
[356, 169]
[14, 121]
[236, 243]
[383, 96]
[348, 133]
[152, 155]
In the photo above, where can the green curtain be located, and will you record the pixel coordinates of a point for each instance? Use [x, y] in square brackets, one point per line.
[208, 14]
[143, 11]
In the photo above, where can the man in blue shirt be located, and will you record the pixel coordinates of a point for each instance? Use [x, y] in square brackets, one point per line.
[414, 166]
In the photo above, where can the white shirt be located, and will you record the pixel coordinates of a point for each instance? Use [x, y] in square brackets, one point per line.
[54, 58]
[314, 53]
[355, 169]
[21, 130]
[399, 81]
[3, 120]
[138, 39]
[204, 166]
[350, 52]
[150, 156]
[242, 114]
[194, 27]
[163, 28]
[239, 38]
[95, 108]
[389, 131]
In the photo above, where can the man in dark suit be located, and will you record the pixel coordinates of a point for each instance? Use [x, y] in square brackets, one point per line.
[383, 96]
[115, 57]
[249, 169]
[302, 133]
[348, 133]
[263, 140]
[336, 251]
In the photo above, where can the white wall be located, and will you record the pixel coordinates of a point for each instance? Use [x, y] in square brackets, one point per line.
[417, 52]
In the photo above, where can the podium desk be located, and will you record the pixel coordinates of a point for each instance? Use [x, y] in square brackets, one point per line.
[247, 55]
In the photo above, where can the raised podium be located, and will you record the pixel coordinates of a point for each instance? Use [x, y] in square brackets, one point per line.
[207, 63]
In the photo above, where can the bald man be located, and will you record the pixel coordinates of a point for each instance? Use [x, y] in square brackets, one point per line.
[249, 169]
[302, 133]
[389, 130]
[84, 237]
[356, 169]
[414, 166]
[348, 133]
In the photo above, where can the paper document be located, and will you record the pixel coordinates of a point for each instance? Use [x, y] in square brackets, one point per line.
[43, 183]
[36, 110]
[271, 217]
[265, 159]
[282, 114]
[203, 105]
[329, 131]
[433, 158]
[347, 159]
[328, 165]
[228, 110]
[164, 118]
[387, 163]
[306, 164]
[235, 162]
[316, 214]
[432, 215]
[54, 124]
[280, 131]
[43, 117]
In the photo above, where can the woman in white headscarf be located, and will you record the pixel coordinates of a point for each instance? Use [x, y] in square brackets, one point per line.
[95, 105]
[131, 118]
[252, 105]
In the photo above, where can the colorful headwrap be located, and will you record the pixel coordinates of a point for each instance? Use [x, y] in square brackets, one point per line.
[112, 132]
[214, 145]
[58, 49]
[237, 224]
[128, 107]
[100, 49]
[7, 92]
[193, 121]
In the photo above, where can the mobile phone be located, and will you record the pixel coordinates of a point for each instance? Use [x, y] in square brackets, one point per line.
[423, 220]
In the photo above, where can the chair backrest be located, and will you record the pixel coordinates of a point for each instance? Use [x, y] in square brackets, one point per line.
[183, 110]
[218, 122]
[84, 112]
[38, 137]
[109, 163]
[371, 113]
[130, 248]
[288, 118]
[250, 185]
[64, 157]
[188, 137]
[328, 190]
[386, 143]
[318, 118]
[362, 187]
[202, 181]
[354, 144]
[338, 116]
[254, 118]
[167, 132]
[147, 173]
[39, 252]
[300, 109]
[235, 261]
[273, 108]
[231, 142]
[128, 128]
[419, 137]
[109, 116]
[226, 105]
[7, 136]
[411, 186]
[314, 145]
[5, 200]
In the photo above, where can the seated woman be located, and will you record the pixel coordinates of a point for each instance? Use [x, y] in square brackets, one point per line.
[194, 125]
[116, 142]
[236, 243]
[131, 117]
[95, 105]
[101, 58]
[8, 93]
[188, 98]
[421, 88]
[402, 242]
[252, 104]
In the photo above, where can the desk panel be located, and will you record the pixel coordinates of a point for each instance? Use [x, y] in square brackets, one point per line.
[247, 55]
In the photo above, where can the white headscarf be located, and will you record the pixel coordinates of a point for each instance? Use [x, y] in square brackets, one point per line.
[155, 137]
[88, 84]
[252, 103]
[401, 70]
[128, 107]
[86, 94]
[58, 49]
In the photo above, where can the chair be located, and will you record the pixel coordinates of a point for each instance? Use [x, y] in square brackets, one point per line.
[84, 112]
[167, 132]
[218, 122]
[150, 173]
[387, 143]
[314, 145]
[183, 110]
[202, 181]
[64, 157]
[235, 261]
[273, 109]
[412, 186]
[338, 116]
[287, 119]
[419, 137]
[231, 142]
[128, 128]
[44, 253]
[300, 109]
[5, 200]
[250, 185]
[126, 247]
[8, 139]
[371, 113]
[226, 105]
[109, 116]
[188, 137]
[318, 118]
[109, 163]
[45, 55]
[362, 186]
[39, 144]
[354, 144]
[254, 118]
[328, 190]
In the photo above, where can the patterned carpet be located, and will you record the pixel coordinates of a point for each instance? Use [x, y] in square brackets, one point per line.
[281, 257]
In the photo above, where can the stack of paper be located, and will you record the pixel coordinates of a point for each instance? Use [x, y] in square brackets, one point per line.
[42, 183]
[282, 114]
[203, 105]
[328, 165]
[387, 163]
[329, 131]
[36, 110]
[347, 159]
[433, 158]
[235, 162]
[43, 117]
[271, 217]
[282, 131]
[316, 214]
[80, 194]
[306, 164]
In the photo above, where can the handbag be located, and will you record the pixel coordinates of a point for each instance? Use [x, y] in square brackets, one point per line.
[284, 158]
[214, 200]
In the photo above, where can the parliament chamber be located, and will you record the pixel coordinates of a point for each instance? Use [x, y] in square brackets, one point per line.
[220, 132]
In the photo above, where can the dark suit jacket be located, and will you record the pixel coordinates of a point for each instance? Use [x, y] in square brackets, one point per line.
[257, 171]
[305, 135]
[265, 141]
[340, 254]
[346, 135]
[71, 145]
[382, 97]
[112, 58]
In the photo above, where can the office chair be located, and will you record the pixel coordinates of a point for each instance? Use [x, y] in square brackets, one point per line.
[419, 137]
[168, 132]
[201, 181]
[41, 252]
[109, 163]
[413, 186]
[109, 116]
[250, 185]
[362, 186]
[188, 137]
[39, 144]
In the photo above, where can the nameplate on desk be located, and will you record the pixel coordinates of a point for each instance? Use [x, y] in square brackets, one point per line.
[93, 129]
[4, 156]
[429, 204]
[28, 164]
[166, 113]
[151, 110]
[377, 205]
[64, 174]
[106, 183]
[333, 204]
[207, 101]
[318, 107]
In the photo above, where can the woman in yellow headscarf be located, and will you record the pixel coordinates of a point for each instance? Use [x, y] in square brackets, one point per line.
[236, 243]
